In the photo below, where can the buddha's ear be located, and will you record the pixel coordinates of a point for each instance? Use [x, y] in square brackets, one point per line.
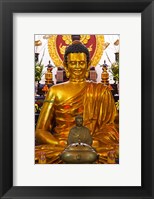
[66, 69]
[89, 64]
[64, 64]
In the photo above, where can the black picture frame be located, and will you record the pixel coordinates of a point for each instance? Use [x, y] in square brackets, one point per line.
[7, 8]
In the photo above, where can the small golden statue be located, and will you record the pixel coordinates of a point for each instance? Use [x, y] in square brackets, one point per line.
[42, 158]
[111, 159]
[79, 133]
[105, 74]
[48, 74]
[79, 150]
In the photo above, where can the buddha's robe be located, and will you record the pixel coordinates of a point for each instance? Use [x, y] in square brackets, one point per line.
[96, 104]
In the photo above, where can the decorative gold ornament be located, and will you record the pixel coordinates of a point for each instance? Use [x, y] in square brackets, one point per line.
[105, 74]
[53, 51]
[38, 43]
[84, 38]
[79, 153]
[116, 43]
[48, 77]
[42, 158]
[47, 36]
[52, 48]
[90, 48]
[106, 45]
[99, 50]
[67, 39]
[62, 49]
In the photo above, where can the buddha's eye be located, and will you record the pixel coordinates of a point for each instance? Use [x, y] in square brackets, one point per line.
[82, 62]
[73, 62]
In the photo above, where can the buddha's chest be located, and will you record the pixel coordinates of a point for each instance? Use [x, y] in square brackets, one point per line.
[67, 93]
[64, 95]
[78, 135]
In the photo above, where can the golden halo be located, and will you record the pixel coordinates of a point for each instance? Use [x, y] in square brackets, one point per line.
[52, 49]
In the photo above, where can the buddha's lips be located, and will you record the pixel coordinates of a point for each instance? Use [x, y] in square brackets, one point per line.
[77, 71]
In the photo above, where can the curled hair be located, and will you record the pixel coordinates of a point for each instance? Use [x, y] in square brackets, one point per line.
[76, 47]
[78, 117]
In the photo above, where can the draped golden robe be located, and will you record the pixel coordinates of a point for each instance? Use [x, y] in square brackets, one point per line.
[96, 104]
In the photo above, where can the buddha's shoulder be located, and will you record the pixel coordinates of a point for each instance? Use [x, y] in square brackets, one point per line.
[97, 85]
[58, 87]
[85, 129]
[58, 91]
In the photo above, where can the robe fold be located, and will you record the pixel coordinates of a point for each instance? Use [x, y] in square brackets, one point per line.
[96, 104]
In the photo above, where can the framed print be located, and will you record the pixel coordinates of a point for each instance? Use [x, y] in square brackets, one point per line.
[20, 145]
[23, 25]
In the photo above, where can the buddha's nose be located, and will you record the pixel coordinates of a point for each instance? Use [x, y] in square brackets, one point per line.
[77, 64]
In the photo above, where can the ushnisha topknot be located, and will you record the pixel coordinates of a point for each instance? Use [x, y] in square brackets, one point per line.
[76, 42]
[76, 47]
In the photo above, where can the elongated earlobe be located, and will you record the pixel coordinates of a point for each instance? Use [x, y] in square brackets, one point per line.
[88, 69]
[66, 70]
[67, 74]
[87, 74]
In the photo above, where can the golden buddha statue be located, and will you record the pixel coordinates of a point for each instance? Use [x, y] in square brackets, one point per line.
[77, 96]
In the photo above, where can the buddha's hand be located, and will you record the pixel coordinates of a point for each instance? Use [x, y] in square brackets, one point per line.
[45, 137]
[62, 143]
[96, 143]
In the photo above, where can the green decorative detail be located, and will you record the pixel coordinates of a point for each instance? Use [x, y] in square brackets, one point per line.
[50, 101]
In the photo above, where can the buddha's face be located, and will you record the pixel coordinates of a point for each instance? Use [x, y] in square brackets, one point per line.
[79, 121]
[77, 65]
